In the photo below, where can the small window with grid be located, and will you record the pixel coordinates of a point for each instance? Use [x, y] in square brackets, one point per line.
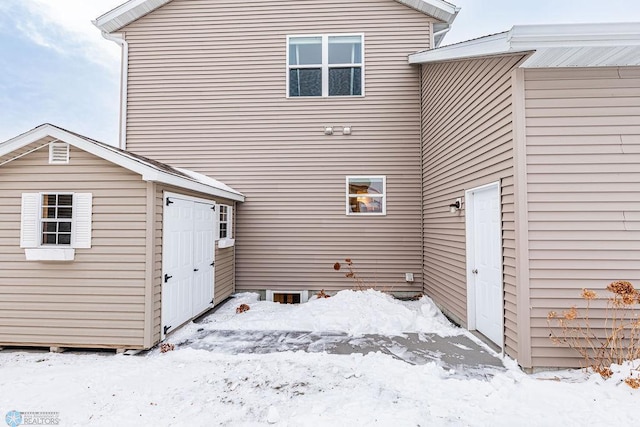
[224, 222]
[57, 218]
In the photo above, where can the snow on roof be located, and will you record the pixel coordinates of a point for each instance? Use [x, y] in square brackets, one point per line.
[555, 45]
[151, 170]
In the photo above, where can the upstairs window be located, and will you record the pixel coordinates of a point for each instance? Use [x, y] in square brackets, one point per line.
[366, 195]
[327, 65]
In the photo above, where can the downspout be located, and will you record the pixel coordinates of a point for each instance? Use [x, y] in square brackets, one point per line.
[119, 39]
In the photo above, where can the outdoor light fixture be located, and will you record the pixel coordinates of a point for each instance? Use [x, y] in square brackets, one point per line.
[455, 207]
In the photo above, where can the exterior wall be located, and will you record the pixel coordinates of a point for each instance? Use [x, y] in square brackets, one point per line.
[98, 300]
[224, 281]
[207, 91]
[583, 152]
[467, 142]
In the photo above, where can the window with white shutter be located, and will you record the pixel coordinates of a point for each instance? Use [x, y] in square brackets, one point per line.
[54, 224]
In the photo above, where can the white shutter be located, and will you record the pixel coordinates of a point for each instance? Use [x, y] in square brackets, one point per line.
[29, 222]
[82, 206]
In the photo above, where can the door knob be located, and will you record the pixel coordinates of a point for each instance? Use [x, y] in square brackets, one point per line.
[474, 271]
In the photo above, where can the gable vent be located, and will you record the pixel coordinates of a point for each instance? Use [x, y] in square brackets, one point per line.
[58, 153]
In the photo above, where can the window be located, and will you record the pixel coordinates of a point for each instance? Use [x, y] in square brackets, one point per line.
[328, 65]
[53, 224]
[366, 195]
[224, 224]
[56, 219]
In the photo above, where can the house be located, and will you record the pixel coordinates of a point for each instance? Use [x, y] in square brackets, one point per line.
[102, 248]
[537, 132]
[498, 175]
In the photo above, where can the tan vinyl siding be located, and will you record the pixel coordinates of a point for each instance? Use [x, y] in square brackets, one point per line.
[207, 91]
[98, 299]
[224, 267]
[467, 142]
[583, 152]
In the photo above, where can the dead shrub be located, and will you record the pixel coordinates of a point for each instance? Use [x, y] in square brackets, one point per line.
[242, 308]
[166, 346]
[620, 341]
[322, 294]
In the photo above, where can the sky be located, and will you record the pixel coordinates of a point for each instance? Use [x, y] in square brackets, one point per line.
[55, 67]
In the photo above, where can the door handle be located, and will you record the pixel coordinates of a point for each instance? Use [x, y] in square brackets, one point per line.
[474, 271]
[195, 269]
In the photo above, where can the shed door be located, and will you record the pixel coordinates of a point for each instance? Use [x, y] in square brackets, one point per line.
[187, 260]
[485, 261]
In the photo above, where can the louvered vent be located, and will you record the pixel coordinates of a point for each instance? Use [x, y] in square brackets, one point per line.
[58, 153]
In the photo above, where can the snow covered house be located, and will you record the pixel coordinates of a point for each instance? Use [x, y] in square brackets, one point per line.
[89, 233]
[498, 175]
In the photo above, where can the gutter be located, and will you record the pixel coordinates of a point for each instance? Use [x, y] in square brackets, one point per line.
[119, 39]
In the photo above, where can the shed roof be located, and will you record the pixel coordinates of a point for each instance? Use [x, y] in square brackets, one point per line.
[149, 169]
[555, 45]
[134, 9]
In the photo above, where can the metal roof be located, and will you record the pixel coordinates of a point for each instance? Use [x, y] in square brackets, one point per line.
[557, 45]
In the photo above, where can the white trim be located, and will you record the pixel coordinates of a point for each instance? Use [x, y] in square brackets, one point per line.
[135, 9]
[469, 203]
[120, 158]
[50, 254]
[324, 66]
[226, 243]
[304, 295]
[545, 40]
[383, 196]
[124, 81]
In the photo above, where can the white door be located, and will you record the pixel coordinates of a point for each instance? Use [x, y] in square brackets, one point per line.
[484, 236]
[187, 260]
[203, 257]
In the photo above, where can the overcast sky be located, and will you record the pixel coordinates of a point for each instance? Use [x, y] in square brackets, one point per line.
[55, 66]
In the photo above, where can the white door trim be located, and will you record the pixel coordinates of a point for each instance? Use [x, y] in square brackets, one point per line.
[470, 255]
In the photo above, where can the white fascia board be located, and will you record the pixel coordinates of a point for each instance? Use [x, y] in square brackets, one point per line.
[496, 44]
[574, 35]
[127, 13]
[439, 9]
[148, 172]
[177, 181]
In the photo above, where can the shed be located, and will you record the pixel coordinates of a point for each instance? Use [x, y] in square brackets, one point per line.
[102, 248]
[531, 147]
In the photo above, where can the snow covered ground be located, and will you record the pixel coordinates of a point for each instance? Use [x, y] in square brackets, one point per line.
[189, 387]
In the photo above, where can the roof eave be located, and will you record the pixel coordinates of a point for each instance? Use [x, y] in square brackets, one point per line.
[147, 172]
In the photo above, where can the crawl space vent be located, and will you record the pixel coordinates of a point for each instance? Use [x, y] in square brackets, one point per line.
[58, 153]
[286, 298]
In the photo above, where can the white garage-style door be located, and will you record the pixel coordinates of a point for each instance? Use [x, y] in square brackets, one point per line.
[484, 261]
[187, 259]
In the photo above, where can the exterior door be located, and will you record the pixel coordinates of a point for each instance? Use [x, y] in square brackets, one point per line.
[187, 260]
[484, 238]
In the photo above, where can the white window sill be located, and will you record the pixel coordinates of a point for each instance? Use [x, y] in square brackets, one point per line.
[50, 254]
[226, 243]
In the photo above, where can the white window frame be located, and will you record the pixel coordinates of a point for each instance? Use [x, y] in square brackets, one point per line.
[325, 64]
[72, 220]
[31, 227]
[383, 196]
[228, 240]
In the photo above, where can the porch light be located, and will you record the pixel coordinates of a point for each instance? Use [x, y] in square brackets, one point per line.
[455, 207]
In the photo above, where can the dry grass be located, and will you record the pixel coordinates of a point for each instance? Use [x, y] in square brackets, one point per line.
[621, 340]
